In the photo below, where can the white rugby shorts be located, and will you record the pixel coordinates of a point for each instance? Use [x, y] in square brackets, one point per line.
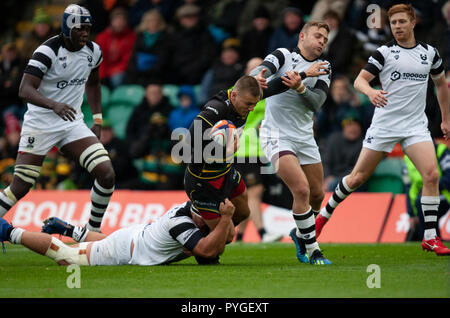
[306, 151]
[115, 249]
[40, 142]
[381, 139]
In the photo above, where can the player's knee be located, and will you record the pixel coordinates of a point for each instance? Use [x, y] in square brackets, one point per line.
[25, 177]
[107, 179]
[301, 191]
[317, 196]
[431, 177]
[356, 180]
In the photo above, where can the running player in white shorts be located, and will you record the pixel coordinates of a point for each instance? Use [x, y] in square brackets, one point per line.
[54, 81]
[174, 236]
[287, 136]
[403, 66]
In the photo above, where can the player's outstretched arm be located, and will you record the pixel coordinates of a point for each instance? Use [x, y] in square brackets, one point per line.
[214, 243]
[28, 91]
[362, 84]
[444, 103]
[94, 99]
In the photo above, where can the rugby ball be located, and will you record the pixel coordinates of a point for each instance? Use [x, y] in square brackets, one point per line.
[223, 132]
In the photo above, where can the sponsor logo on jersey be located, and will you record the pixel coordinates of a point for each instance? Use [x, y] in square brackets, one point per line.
[419, 77]
[77, 81]
[395, 75]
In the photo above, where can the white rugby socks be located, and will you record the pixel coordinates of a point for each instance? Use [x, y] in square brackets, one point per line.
[306, 229]
[430, 206]
[341, 192]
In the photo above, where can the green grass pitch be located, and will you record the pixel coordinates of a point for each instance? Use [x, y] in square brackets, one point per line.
[246, 271]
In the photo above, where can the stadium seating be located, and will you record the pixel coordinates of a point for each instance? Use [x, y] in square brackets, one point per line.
[130, 95]
[171, 91]
[120, 107]
[387, 177]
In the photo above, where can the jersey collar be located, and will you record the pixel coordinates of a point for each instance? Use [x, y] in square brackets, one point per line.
[297, 50]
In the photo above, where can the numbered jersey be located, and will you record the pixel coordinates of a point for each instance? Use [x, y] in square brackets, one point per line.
[404, 74]
[63, 75]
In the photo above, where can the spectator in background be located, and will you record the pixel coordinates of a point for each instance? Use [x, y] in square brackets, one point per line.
[224, 72]
[342, 150]
[154, 105]
[149, 59]
[138, 9]
[117, 43]
[341, 99]
[286, 36]
[439, 37]
[11, 69]
[118, 152]
[372, 38]
[340, 46]
[187, 110]
[226, 14]
[100, 11]
[274, 7]
[10, 143]
[191, 48]
[338, 6]
[148, 136]
[42, 30]
[257, 38]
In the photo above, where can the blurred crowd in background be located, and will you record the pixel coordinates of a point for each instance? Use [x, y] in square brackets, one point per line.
[173, 55]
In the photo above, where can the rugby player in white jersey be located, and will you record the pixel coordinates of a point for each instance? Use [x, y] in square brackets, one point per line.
[287, 136]
[174, 236]
[53, 84]
[404, 66]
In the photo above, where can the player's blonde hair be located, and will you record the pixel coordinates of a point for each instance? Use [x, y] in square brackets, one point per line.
[318, 24]
[398, 8]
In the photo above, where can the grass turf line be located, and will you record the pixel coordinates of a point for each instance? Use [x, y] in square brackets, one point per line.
[247, 271]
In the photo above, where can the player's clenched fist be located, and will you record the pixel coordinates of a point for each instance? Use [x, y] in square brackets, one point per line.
[227, 208]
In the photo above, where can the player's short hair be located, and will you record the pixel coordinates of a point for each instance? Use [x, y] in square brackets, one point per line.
[247, 84]
[318, 24]
[407, 8]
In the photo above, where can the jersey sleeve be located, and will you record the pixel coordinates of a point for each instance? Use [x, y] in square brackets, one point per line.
[98, 56]
[437, 65]
[376, 62]
[185, 232]
[41, 61]
[275, 60]
[323, 81]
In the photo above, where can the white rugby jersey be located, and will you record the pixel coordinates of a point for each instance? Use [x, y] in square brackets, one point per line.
[164, 240]
[403, 74]
[286, 111]
[63, 75]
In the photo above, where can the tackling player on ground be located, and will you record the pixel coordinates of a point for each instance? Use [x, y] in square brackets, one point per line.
[53, 84]
[403, 66]
[174, 236]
